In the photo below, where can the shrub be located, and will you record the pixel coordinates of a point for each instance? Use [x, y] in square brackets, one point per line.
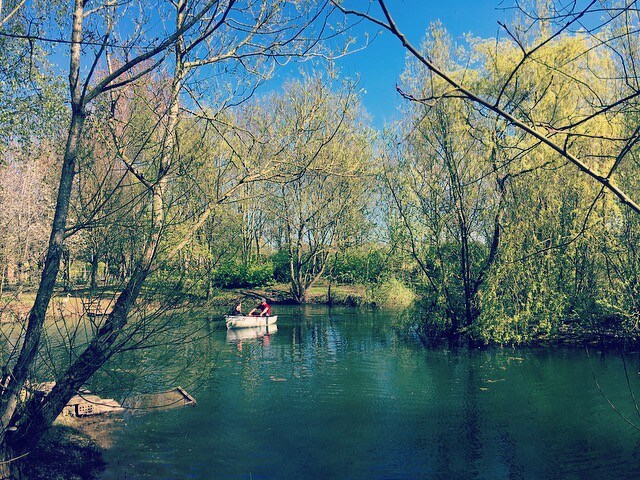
[393, 293]
[280, 262]
[235, 275]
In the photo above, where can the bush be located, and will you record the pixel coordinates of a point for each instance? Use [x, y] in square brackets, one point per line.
[515, 310]
[280, 262]
[393, 293]
[236, 275]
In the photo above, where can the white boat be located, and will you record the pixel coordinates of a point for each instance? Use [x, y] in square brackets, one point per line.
[244, 321]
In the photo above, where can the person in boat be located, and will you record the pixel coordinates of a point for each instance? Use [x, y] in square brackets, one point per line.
[262, 310]
[237, 310]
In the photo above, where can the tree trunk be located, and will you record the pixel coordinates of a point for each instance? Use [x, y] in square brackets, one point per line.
[19, 374]
[298, 289]
[66, 271]
[10, 396]
[38, 415]
[11, 466]
[3, 270]
[105, 276]
[299, 294]
[209, 284]
[94, 271]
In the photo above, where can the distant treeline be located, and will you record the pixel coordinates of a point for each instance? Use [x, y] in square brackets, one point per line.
[501, 238]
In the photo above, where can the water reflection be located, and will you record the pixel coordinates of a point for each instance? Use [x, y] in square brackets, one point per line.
[338, 394]
[235, 335]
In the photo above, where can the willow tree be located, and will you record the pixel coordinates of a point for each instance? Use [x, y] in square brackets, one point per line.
[551, 266]
[535, 223]
[591, 128]
[447, 185]
[320, 201]
[612, 36]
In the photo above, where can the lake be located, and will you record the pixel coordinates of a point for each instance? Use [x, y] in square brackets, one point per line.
[346, 394]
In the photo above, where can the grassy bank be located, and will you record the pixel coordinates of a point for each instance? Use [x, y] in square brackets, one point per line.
[389, 294]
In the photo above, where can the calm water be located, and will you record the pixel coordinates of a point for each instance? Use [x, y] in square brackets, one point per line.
[338, 394]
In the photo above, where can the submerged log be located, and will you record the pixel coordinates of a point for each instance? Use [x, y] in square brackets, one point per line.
[176, 397]
[87, 404]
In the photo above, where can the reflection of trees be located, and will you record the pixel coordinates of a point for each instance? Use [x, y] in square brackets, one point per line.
[183, 352]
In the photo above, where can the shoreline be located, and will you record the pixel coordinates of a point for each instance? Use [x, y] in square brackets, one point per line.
[568, 333]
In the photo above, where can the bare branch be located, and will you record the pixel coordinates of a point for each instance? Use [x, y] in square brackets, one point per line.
[474, 97]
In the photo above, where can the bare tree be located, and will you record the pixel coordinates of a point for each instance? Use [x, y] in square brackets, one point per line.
[322, 202]
[21, 426]
[105, 55]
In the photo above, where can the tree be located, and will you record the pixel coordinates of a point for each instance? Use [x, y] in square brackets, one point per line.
[616, 43]
[559, 94]
[23, 424]
[448, 189]
[105, 56]
[23, 193]
[549, 268]
[328, 149]
[31, 112]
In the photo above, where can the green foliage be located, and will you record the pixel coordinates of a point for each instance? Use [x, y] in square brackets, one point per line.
[393, 293]
[349, 296]
[510, 242]
[280, 261]
[359, 265]
[32, 97]
[233, 274]
[517, 306]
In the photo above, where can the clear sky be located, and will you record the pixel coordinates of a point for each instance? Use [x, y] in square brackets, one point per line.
[380, 65]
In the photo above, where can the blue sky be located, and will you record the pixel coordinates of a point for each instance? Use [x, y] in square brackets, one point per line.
[380, 65]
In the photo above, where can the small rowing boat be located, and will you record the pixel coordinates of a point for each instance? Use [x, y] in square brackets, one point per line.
[244, 321]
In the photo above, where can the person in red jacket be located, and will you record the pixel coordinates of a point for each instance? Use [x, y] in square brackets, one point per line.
[262, 310]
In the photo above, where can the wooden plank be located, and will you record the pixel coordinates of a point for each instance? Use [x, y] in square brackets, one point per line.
[191, 400]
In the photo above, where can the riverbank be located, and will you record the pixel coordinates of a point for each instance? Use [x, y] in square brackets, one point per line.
[570, 333]
[15, 307]
[73, 449]
[66, 452]
[322, 294]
